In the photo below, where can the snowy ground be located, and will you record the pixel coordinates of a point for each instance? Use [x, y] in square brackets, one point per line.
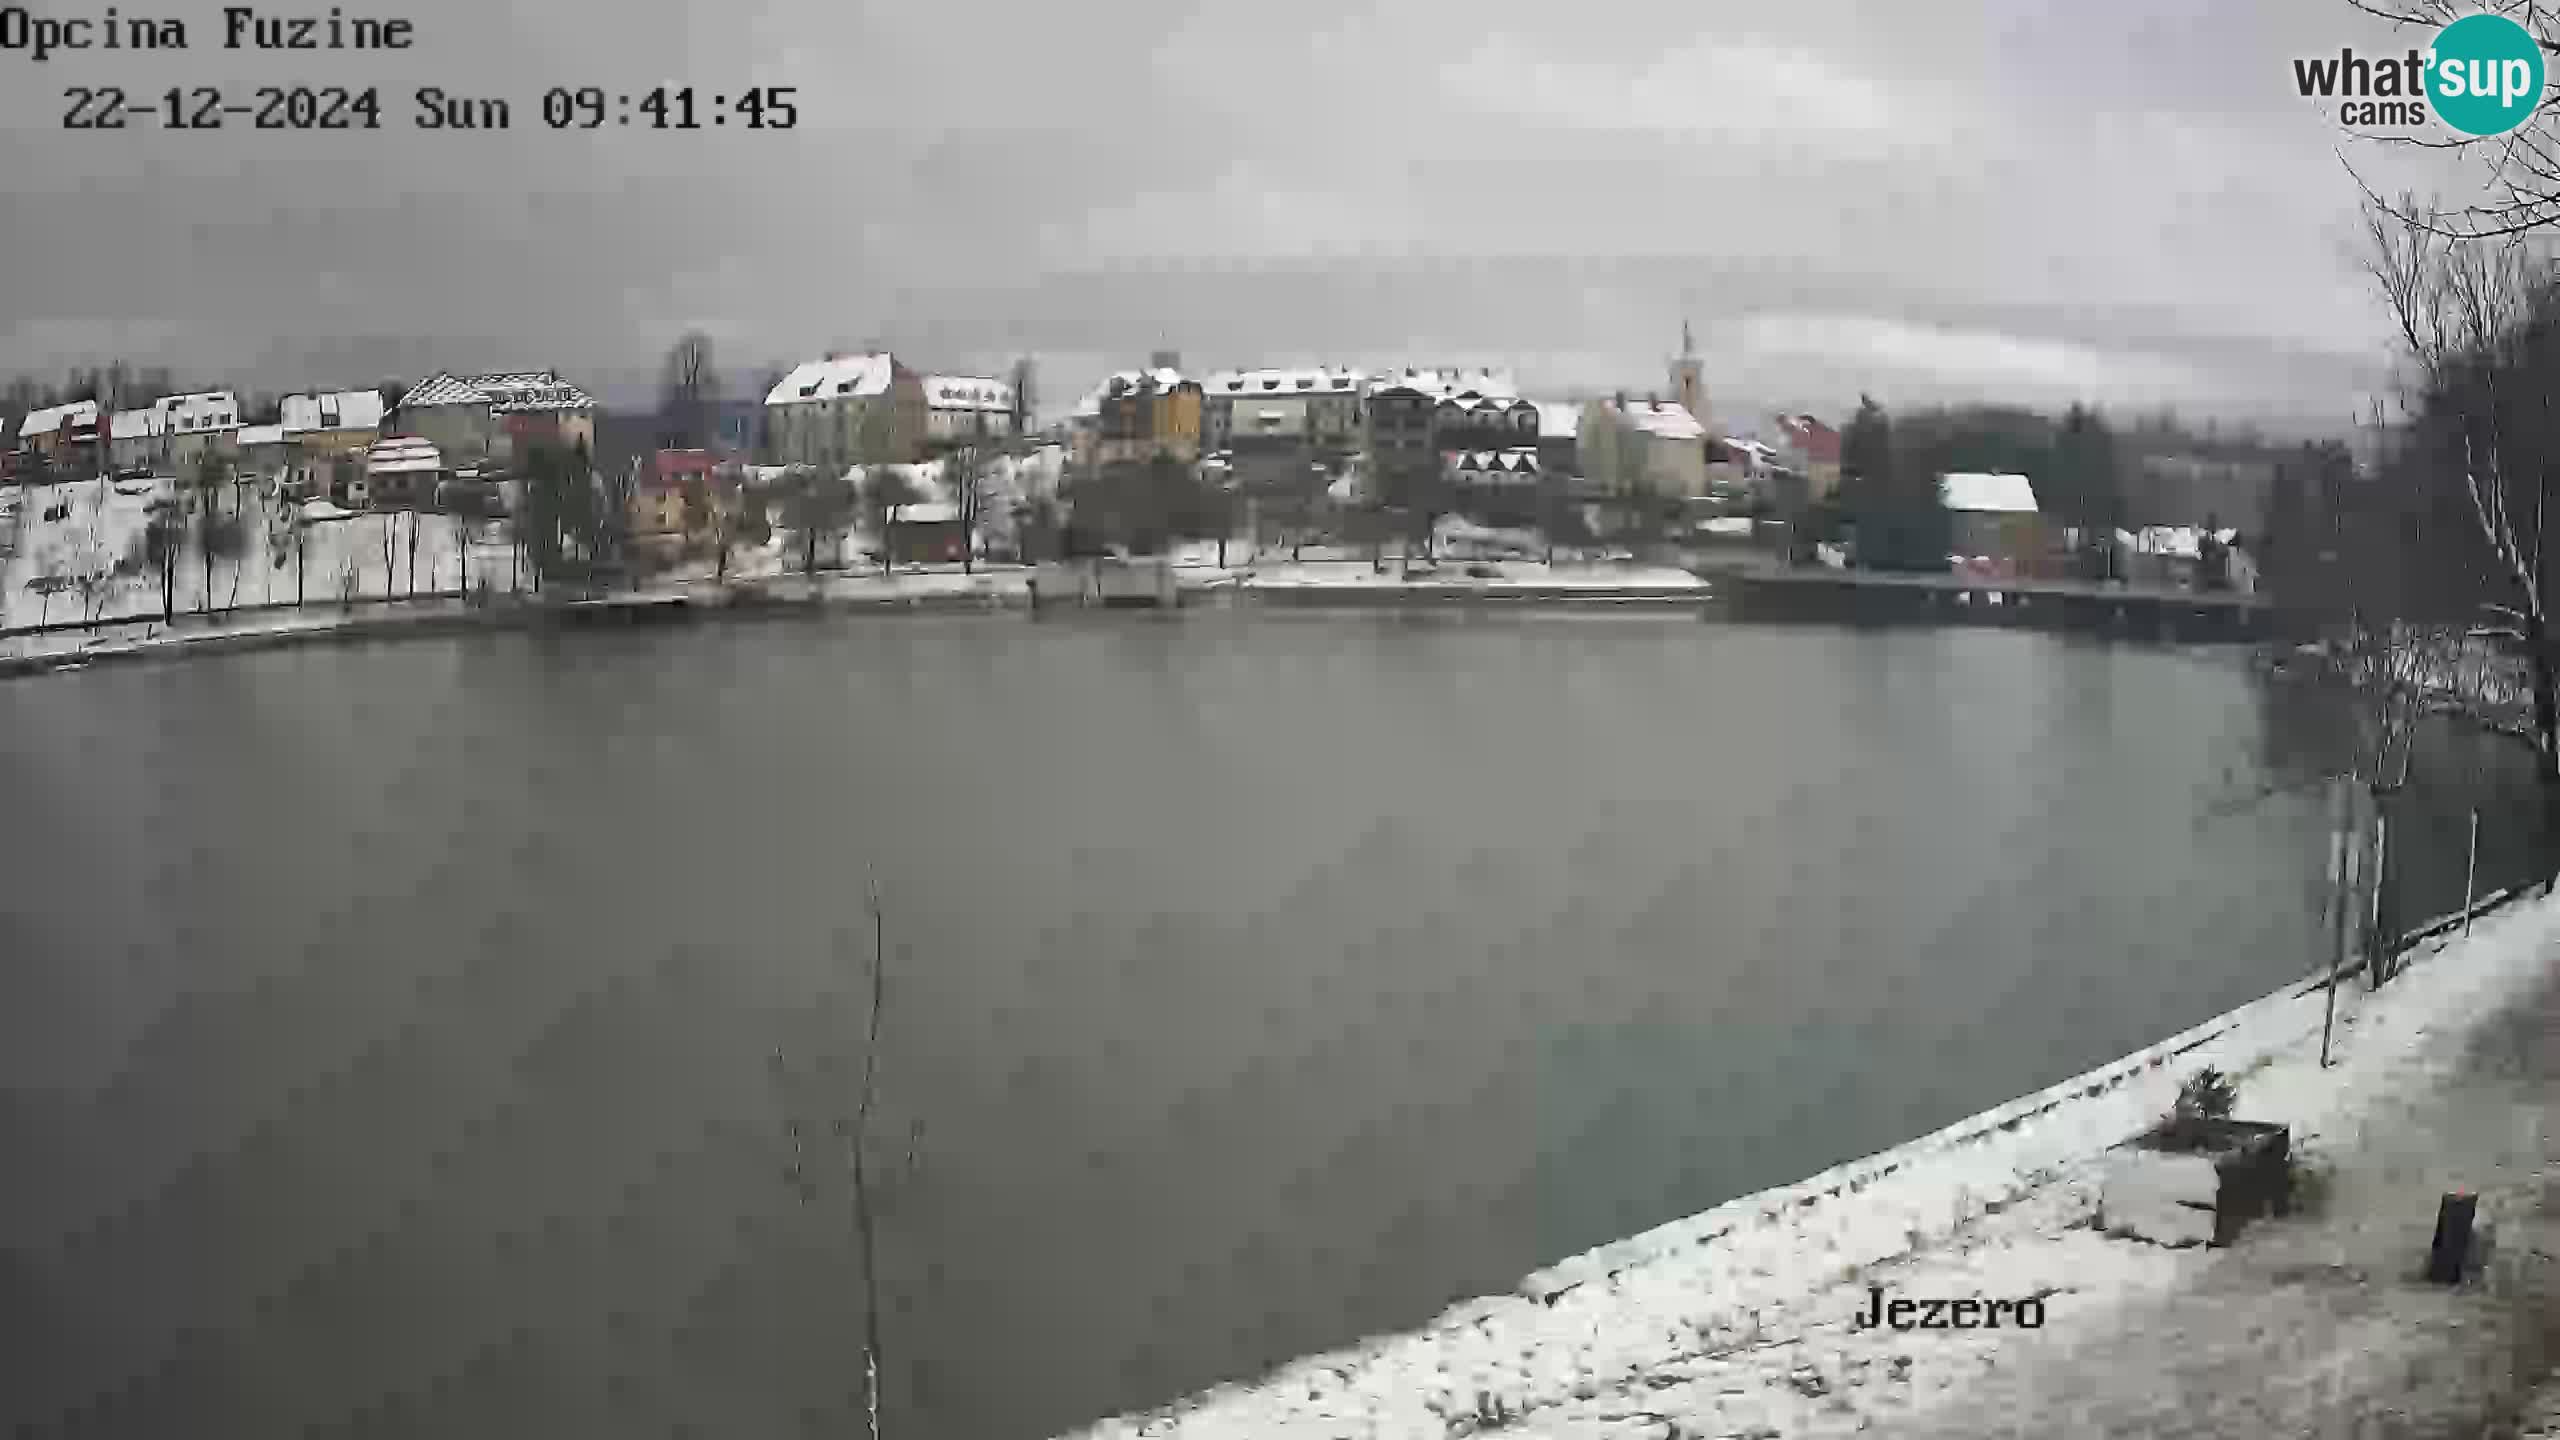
[1737, 1321]
[105, 525]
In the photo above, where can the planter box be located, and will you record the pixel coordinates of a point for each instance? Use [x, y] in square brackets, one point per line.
[2197, 1182]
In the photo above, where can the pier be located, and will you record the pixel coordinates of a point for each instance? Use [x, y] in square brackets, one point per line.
[2139, 612]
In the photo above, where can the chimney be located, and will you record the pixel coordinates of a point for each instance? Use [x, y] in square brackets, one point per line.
[1621, 399]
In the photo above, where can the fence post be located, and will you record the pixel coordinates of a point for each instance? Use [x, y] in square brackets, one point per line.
[2445, 1257]
[2340, 902]
[2377, 942]
[2471, 873]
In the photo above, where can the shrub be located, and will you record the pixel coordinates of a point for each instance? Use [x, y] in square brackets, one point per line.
[2208, 1094]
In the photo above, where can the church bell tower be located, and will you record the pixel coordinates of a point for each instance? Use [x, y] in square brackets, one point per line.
[1688, 377]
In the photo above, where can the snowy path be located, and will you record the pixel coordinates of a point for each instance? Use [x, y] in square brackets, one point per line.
[2318, 1326]
[1736, 1322]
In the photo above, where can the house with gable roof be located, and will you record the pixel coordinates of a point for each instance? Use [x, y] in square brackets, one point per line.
[64, 435]
[1315, 408]
[139, 439]
[1995, 525]
[841, 410]
[1650, 447]
[966, 410]
[208, 420]
[336, 422]
[497, 416]
[1139, 414]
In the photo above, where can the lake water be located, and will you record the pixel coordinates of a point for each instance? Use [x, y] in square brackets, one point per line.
[387, 1037]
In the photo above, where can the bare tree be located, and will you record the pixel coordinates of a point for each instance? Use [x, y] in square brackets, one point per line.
[92, 566]
[688, 388]
[817, 503]
[46, 586]
[288, 538]
[2480, 320]
[886, 491]
[164, 539]
[213, 535]
[2520, 170]
[1026, 379]
[414, 517]
[964, 472]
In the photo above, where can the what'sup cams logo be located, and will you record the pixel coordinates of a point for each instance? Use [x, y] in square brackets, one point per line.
[2481, 76]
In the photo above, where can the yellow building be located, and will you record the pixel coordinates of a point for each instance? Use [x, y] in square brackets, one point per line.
[1146, 413]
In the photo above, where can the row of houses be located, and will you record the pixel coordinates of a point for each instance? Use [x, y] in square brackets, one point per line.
[1473, 428]
[405, 448]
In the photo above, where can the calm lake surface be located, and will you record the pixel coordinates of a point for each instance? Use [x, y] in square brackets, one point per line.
[386, 1033]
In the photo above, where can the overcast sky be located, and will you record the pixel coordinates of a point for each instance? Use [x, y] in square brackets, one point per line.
[2116, 201]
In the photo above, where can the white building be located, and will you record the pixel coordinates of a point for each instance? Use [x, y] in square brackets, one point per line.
[338, 411]
[265, 450]
[1653, 446]
[964, 409]
[138, 439]
[400, 474]
[206, 420]
[1315, 406]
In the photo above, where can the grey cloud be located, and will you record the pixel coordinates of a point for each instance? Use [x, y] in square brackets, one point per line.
[1318, 181]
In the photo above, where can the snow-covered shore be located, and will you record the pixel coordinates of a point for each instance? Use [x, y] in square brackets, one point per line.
[259, 611]
[1737, 1321]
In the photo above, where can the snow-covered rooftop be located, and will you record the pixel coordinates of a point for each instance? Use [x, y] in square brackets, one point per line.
[967, 392]
[137, 424]
[855, 375]
[254, 435]
[503, 391]
[55, 417]
[333, 410]
[1661, 419]
[1160, 377]
[402, 456]
[1450, 384]
[1980, 494]
[1819, 442]
[204, 410]
[1317, 380]
[1559, 421]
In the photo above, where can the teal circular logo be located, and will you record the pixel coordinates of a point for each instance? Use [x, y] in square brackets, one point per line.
[2484, 75]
